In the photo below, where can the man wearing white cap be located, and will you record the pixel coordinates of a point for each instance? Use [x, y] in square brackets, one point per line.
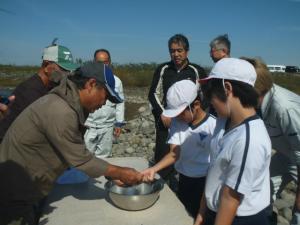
[190, 134]
[237, 189]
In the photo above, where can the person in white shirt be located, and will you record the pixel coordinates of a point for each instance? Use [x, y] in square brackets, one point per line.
[237, 189]
[106, 122]
[189, 138]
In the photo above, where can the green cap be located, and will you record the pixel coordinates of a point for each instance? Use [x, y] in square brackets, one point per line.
[61, 55]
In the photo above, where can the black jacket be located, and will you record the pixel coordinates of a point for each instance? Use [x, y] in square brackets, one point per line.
[164, 77]
[25, 93]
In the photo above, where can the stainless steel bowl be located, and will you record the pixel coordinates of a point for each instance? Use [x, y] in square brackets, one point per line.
[135, 197]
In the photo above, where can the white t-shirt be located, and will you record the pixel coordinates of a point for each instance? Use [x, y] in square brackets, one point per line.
[194, 145]
[240, 159]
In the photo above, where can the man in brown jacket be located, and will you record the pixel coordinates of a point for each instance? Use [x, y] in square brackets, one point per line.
[47, 138]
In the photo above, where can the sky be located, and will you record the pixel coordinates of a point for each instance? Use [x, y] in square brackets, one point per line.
[137, 31]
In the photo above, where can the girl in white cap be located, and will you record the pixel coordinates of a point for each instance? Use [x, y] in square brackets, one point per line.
[189, 138]
[237, 189]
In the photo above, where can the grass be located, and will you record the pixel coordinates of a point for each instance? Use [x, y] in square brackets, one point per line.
[132, 75]
[289, 81]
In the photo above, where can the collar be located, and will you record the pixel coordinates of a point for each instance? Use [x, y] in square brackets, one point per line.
[266, 103]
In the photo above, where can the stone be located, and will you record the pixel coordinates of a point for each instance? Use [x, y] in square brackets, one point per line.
[287, 213]
[280, 204]
[282, 220]
[142, 109]
[129, 150]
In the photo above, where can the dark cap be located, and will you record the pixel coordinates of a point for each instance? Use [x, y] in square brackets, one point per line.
[104, 75]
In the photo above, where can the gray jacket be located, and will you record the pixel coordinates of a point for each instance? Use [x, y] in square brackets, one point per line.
[281, 114]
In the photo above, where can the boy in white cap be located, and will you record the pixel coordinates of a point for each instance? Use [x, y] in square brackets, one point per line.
[189, 138]
[237, 189]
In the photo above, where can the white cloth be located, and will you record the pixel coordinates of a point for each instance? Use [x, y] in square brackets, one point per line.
[240, 159]
[194, 145]
[99, 135]
[99, 141]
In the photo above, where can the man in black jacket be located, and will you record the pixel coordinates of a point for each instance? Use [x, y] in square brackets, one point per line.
[179, 68]
[57, 60]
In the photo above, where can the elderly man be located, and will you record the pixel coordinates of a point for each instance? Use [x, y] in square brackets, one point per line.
[47, 138]
[56, 58]
[105, 122]
[220, 48]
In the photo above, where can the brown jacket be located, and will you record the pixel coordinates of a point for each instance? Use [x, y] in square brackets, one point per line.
[45, 139]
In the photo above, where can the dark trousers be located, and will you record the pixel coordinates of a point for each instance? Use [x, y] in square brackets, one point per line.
[257, 219]
[190, 191]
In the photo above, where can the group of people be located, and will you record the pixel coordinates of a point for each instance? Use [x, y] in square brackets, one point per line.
[218, 130]
[227, 161]
[42, 131]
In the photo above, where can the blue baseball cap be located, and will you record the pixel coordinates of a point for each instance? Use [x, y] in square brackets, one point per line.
[104, 75]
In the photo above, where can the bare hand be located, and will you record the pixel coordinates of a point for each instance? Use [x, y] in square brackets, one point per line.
[117, 131]
[198, 220]
[130, 176]
[4, 108]
[165, 120]
[148, 174]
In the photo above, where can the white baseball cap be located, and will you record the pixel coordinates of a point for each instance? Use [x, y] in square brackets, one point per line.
[232, 69]
[179, 96]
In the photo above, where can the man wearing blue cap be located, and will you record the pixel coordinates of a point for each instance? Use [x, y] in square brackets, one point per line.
[47, 138]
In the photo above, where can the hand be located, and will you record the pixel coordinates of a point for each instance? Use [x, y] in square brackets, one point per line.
[4, 108]
[130, 176]
[117, 131]
[198, 220]
[165, 120]
[148, 174]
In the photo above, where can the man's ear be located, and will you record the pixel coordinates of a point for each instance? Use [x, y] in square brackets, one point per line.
[197, 103]
[90, 84]
[228, 88]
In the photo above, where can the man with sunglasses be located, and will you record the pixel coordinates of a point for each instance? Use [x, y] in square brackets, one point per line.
[57, 60]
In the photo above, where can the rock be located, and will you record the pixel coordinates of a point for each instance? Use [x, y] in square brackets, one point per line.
[142, 109]
[129, 150]
[280, 204]
[282, 220]
[287, 213]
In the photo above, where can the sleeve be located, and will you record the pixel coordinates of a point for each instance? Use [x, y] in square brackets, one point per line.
[120, 108]
[64, 135]
[244, 167]
[290, 125]
[155, 94]
[174, 133]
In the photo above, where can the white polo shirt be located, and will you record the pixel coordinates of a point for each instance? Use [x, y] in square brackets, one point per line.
[194, 144]
[240, 159]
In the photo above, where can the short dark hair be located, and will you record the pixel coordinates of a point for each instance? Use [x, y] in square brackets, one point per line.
[179, 39]
[245, 92]
[79, 80]
[102, 50]
[221, 42]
